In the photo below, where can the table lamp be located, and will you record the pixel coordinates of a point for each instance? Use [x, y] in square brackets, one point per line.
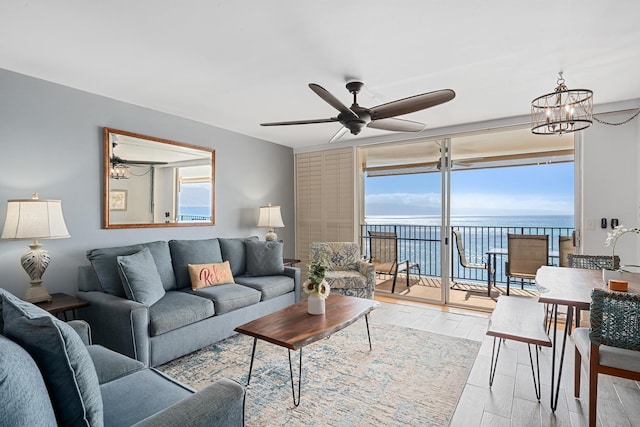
[35, 219]
[270, 217]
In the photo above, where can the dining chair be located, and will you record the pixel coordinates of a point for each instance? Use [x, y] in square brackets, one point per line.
[565, 247]
[464, 262]
[526, 253]
[612, 344]
[383, 253]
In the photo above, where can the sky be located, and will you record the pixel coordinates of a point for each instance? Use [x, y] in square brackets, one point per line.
[523, 190]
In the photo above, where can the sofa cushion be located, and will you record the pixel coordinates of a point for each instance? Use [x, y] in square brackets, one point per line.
[134, 397]
[204, 275]
[62, 358]
[264, 258]
[269, 286]
[234, 251]
[231, 297]
[162, 257]
[23, 394]
[104, 262]
[177, 309]
[140, 277]
[185, 252]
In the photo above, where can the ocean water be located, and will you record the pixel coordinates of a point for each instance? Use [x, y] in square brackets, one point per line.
[476, 221]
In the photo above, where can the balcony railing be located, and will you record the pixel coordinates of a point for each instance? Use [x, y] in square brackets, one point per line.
[421, 244]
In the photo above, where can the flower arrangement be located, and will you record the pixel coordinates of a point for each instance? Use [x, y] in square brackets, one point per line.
[612, 239]
[316, 283]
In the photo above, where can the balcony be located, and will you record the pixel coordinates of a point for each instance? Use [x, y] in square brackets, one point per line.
[420, 244]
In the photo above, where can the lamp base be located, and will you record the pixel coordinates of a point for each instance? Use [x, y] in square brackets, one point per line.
[271, 236]
[37, 293]
[35, 262]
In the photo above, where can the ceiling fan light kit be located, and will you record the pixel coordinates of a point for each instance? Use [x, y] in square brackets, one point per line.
[562, 111]
[356, 118]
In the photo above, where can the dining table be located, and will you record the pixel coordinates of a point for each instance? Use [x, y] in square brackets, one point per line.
[570, 287]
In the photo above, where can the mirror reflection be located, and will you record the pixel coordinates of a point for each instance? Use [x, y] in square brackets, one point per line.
[154, 182]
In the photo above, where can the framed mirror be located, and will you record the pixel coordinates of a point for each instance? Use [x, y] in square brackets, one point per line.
[154, 182]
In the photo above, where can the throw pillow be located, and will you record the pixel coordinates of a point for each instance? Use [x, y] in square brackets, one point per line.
[24, 396]
[185, 252]
[63, 359]
[104, 263]
[264, 258]
[205, 275]
[140, 277]
[234, 251]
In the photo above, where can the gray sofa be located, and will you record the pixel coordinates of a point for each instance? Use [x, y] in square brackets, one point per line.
[50, 375]
[159, 325]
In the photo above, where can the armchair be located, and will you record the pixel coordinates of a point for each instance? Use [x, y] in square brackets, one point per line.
[348, 274]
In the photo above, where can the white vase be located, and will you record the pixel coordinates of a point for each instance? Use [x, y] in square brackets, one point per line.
[315, 304]
[610, 274]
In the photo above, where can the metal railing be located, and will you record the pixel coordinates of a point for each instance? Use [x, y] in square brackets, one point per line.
[193, 218]
[421, 244]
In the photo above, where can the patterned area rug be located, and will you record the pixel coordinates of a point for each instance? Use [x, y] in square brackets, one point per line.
[411, 377]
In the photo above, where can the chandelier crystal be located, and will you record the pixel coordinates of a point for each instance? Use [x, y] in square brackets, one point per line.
[562, 111]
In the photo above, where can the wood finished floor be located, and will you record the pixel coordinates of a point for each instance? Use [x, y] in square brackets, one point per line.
[511, 401]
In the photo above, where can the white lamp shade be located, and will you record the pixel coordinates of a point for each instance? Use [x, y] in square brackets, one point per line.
[270, 217]
[34, 219]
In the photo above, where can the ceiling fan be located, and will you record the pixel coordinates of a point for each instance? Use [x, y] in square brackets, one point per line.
[355, 118]
[115, 160]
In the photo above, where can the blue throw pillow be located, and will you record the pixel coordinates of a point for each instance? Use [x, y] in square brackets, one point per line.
[264, 258]
[140, 277]
[63, 360]
[24, 397]
[234, 251]
[105, 265]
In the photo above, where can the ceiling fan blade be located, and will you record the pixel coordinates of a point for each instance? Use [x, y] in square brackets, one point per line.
[339, 134]
[141, 162]
[397, 125]
[332, 100]
[301, 122]
[411, 104]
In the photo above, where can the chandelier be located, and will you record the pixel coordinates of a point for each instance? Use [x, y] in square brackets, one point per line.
[562, 111]
[119, 171]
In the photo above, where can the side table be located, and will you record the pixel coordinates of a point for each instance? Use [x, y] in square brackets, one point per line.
[63, 303]
[290, 262]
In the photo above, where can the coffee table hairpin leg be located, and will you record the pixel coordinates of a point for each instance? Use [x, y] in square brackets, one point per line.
[293, 392]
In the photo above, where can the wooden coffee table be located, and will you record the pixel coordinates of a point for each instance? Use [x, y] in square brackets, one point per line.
[293, 328]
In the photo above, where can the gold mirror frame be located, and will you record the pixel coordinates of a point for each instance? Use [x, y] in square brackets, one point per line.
[157, 169]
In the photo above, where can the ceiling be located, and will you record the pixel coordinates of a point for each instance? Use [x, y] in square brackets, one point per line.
[236, 64]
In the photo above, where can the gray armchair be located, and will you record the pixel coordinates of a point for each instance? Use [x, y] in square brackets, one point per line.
[92, 385]
[348, 274]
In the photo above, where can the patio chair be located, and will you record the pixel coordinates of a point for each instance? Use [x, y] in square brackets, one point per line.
[526, 254]
[565, 247]
[383, 254]
[465, 263]
[612, 344]
[593, 262]
[347, 273]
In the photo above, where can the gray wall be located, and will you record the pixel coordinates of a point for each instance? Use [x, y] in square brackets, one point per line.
[51, 143]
